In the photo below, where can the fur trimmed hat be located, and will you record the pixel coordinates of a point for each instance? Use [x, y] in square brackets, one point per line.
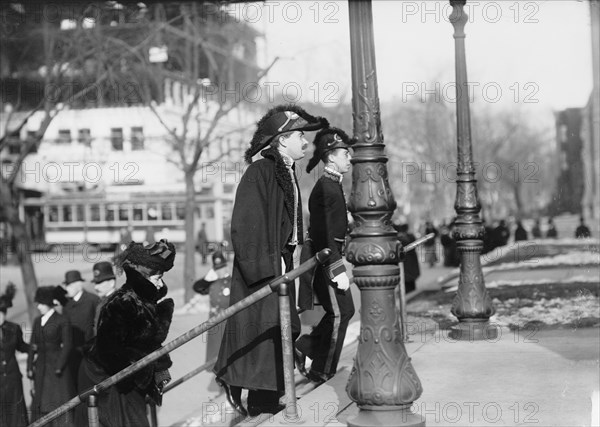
[7, 297]
[327, 140]
[150, 259]
[279, 120]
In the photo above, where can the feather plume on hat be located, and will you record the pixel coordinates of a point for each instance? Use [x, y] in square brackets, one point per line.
[279, 120]
[7, 297]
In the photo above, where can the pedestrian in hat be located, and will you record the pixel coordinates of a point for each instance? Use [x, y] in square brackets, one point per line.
[105, 282]
[47, 364]
[327, 229]
[80, 309]
[266, 227]
[132, 324]
[12, 402]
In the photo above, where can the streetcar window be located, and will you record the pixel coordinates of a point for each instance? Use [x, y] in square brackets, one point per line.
[67, 213]
[123, 213]
[110, 213]
[53, 214]
[167, 214]
[79, 213]
[152, 213]
[95, 212]
[180, 211]
[138, 213]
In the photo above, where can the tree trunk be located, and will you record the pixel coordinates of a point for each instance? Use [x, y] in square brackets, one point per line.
[10, 212]
[189, 266]
[518, 200]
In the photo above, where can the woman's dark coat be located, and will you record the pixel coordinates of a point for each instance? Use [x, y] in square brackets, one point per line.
[132, 324]
[14, 411]
[250, 355]
[52, 344]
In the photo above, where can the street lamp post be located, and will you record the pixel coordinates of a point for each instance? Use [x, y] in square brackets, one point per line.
[383, 382]
[472, 304]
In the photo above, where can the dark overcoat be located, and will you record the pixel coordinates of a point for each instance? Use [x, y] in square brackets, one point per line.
[250, 354]
[328, 227]
[81, 315]
[14, 411]
[50, 348]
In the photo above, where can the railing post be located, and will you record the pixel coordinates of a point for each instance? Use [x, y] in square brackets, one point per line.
[92, 403]
[291, 405]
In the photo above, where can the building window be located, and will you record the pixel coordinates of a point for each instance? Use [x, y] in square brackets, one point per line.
[85, 137]
[64, 136]
[137, 138]
[116, 139]
[167, 213]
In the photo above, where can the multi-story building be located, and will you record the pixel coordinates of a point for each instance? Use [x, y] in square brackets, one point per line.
[107, 168]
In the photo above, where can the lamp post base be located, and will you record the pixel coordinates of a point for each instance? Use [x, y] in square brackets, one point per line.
[386, 416]
[474, 331]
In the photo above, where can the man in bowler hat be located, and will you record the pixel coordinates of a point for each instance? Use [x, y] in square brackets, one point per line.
[80, 310]
[104, 281]
[266, 227]
[328, 225]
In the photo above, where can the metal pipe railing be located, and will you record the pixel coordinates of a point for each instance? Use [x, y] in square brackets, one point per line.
[269, 288]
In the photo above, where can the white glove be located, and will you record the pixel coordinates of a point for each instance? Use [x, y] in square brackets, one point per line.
[342, 281]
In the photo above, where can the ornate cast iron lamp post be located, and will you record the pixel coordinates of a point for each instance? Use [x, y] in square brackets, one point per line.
[472, 304]
[383, 382]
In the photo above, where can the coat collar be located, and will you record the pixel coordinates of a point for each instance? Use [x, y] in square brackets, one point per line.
[142, 286]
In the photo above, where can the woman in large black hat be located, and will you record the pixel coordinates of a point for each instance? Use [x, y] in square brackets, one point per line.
[133, 322]
[51, 345]
[12, 402]
[266, 226]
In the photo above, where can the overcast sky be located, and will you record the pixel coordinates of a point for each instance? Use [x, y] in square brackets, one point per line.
[535, 52]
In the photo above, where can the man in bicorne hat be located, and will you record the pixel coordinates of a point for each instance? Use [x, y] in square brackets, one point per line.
[266, 226]
[328, 226]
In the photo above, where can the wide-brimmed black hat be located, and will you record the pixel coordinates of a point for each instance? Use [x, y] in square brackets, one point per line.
[327, 140]
[102, 271]
[218, 260]
[279, 120]
[7, 297]
[72, 276]
[45, 295]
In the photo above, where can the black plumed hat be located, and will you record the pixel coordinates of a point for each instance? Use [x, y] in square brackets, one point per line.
[150, 259]
[327, 140]
[279, 120]
[7, 297]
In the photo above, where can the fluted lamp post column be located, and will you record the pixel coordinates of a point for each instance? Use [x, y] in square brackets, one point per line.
[472, 304]
[383, 382]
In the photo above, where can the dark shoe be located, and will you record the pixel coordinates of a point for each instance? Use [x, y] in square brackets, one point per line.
[234, 396]
[254, 411]
[300, 361]
[318, 377]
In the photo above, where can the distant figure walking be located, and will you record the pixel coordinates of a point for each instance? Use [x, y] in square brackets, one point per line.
[536, 231]
[520, 232]
[551, 233]
[12, 402]
[583, 231]
[429, 247]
